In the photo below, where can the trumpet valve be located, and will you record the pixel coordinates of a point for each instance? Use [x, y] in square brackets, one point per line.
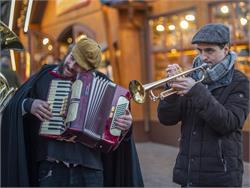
[152, 96]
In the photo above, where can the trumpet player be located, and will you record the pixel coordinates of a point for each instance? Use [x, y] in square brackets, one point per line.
[211, 112]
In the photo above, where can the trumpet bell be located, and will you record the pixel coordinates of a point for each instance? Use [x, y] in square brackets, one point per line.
[137, 91]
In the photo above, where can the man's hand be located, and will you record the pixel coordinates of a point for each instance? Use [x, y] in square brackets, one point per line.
[183, 85]
[172, 70]
[41, 110]
[124, 122]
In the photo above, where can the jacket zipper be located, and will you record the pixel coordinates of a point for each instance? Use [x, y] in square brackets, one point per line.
[224, 162]
[189, 153]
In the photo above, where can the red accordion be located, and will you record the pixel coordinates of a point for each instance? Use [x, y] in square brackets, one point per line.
[84, 111]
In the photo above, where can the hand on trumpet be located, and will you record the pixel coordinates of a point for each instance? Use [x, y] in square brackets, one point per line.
[172, 70]
[182, 84]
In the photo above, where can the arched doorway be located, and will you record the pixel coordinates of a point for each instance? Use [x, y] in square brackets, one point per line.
[75, 31]
[70, 34]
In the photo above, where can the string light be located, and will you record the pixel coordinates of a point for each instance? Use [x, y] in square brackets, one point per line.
[243, 21]
[190, 17]
[224, 9]
[45, 41]
[184, 24]
[171, 27]
[160, 28]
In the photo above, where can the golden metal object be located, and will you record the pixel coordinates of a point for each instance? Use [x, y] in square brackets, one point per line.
[8, 40]
[138, 91]
[5, 92]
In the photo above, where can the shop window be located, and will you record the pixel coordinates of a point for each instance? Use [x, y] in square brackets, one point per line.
[43, 49]
[105, 66]
[236, 15]
[171, 37]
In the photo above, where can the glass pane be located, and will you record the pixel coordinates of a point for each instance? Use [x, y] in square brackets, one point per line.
[171, 37]
[237, 16]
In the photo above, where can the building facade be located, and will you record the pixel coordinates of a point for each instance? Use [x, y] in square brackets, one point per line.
[139, 39]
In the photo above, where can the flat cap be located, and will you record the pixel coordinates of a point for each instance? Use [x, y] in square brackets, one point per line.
[87, 53]
[214, 33]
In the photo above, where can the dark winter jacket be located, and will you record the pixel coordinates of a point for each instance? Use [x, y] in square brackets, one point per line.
[211, 138]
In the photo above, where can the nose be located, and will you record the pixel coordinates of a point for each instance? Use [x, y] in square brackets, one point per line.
[71, 65]
[203, 56]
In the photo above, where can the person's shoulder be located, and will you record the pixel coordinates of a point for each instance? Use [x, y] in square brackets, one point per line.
[240, 76]
[48, 66]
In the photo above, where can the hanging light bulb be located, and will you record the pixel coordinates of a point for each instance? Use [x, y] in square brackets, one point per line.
[160, 28]
[184, 24]
[45, 41]
[224, 9]
[171, 27]
[243, 21]
[190, 17]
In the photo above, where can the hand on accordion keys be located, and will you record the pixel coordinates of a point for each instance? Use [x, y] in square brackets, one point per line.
[41, 110]
[124, 122]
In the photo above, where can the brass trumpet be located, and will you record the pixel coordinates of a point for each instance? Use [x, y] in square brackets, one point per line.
[138, 91]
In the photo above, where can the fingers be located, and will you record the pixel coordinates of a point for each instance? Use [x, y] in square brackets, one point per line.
[173, 69]
[124, 122]
[41, 110]
[183, 85]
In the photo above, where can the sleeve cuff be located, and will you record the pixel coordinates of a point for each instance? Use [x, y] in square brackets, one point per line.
[27, 104]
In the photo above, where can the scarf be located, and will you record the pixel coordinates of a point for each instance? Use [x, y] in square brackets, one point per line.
[219, 74]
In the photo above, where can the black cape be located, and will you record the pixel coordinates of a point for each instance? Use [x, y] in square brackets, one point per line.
[18, 166]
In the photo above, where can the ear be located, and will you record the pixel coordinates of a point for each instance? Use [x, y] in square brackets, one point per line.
[226, 48]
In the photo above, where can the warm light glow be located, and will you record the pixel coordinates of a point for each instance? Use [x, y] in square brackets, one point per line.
[190, 17]
[178, 54]
[45, 41]
[27, 69]
[173, 51]
[69, 40]
[82, 36]
[242, 4]
[50, 47]
[27, 18]
[160, 28]
[118, 53]
[243, 21]
[224, 9]
[13, 62]
[184, 24]
[11, 16]
[171, 27]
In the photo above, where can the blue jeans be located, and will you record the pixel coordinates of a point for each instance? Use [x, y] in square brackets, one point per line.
[52, 174]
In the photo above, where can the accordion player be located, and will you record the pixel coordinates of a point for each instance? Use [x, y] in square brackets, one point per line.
[84, 111]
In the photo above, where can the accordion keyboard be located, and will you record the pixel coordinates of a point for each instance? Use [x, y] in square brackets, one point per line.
[57, 98]
[122, 105]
